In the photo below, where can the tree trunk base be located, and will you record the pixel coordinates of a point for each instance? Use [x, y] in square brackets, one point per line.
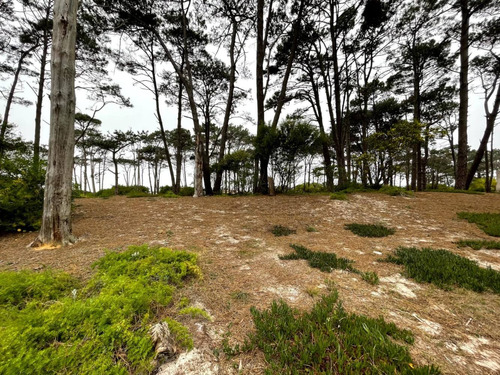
[38, 245]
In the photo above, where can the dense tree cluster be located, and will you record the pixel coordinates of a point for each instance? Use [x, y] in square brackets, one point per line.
[344, 91]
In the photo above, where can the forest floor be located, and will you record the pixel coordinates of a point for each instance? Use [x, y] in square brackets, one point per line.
[457, 330]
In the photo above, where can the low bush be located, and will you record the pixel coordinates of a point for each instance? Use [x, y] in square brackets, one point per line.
[479, 184]
[137, 194]
[281, 231]
[339, 196]
[52, 325]
[445, 269]
[122, 190]
[328, 340]
[479, 244]
[169, 194]
[395, 191]
[488, 222]
[327, 262]
[309, 188]
[21, 195]
[165, 190]
[186, 191]
[370, 230]
[449, 189]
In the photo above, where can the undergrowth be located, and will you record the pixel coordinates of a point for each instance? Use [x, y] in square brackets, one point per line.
[339, 196]
[370, 230]
[327, 262]
[281, 231]
[479, 244]
[328, 340]
[489, 223]
[445, 269]
[52, 325]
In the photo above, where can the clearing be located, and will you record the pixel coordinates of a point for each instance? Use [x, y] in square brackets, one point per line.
[457, 330]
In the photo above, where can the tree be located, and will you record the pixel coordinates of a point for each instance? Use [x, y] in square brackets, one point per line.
[56, 220]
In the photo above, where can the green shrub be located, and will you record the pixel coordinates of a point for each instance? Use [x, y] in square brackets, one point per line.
[311, 229]
[21, 195]
[137, 194]
[479, 244]
[445, 269]
[449, 189]
[165, 190]
[370, 230]
[395, 191]
[186, 191]
[339, 196]
[328, 340]
[326, 262]
[281, 231]
[52, 325]
[169, 194]
[479, 184]
[195, 312]
[122, 190]
[488, 222]
[309, 188]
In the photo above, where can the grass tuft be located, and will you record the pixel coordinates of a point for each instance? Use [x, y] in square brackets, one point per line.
[395, 191]
[489, 223]
[339, 196]
[445, 269]
[52, 324]
[326, 262]
[311, 229]
[370, 230]
[329, 340]
[479, 244]
[281, 231]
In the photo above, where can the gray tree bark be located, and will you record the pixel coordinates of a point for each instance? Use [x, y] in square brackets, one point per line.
[56, 221]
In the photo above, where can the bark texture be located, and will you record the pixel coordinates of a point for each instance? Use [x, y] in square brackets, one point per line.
[56, 221]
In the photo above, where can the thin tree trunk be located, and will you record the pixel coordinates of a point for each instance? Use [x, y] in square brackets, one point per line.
[39, 101]
[56, 221]
[461, 177]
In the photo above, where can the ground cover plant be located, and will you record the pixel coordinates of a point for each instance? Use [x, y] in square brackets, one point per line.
[370, 230]
[327, 262]
[445, 269]
[339, 196]
[51, 323]
[282, 231]
[479, 244]
[328, 340]
[489, 223]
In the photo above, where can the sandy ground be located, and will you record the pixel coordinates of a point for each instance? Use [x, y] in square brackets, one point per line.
[457, 330]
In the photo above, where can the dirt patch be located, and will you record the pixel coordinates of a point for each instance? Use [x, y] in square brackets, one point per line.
[457, 330]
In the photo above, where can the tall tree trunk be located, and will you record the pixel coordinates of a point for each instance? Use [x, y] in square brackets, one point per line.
[260, 173]
[229, 107]
[56, 221]
[159, 118]
[39, 101]
[178, 154]
[490, 124]
[461, 177]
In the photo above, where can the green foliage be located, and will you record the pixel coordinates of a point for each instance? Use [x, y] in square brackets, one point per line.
[312, 188]
[449, 189]
[339, 196]
[445, 269]
[395, 191]
[281, 231]
[329, 340]
[311, 229]
[180, 333]
[21, 194]
[479, 184]
[326, 262]
[195, 312]
[350, 188]
[186, 191]
[370, 277]
[52, 325]
[122, 190]
[137, 194]
[169, 194]
[370, 230]
[488, 222]
[480, 244]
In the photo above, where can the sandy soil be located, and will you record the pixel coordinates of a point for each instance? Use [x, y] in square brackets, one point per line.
[457, 330]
